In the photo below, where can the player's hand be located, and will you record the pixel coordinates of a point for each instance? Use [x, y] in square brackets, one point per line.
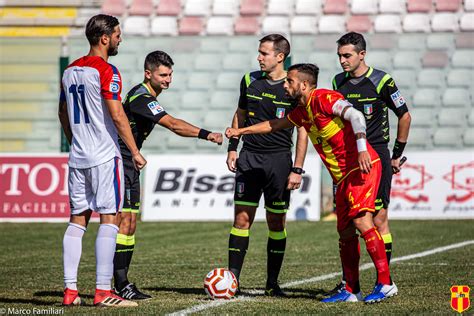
[215, 138]
[138, 161]
[397, 164]
[232, 132]
[232, 161]
[365, 163]
[294, 181]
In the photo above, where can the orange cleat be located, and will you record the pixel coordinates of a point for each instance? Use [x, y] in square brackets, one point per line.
[107, 298]
[71, 298]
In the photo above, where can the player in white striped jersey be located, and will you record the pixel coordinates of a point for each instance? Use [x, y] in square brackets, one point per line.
[92, 117]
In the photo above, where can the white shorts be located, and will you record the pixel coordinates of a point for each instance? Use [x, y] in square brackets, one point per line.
[98, 188]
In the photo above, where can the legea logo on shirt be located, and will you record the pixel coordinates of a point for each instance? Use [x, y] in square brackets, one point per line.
[155, 107]
[397, 99]
[114, 87]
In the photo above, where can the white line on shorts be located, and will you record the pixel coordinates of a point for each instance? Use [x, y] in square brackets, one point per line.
[365, 266]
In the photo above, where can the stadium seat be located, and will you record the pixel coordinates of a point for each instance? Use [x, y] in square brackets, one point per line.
[392, 6]
[420, 137]
[278, 7]
[460, 77]
[383, 41]
[422, 117]
[436, 59]
[169, 7]
[218, 25]
[229, 80]
[83, 15]
[225, 7]
[275, 24]
[301, 45]
[379, 59]
[252, 7]
[239, 62]
[456, 97]
[447, 137]
[207, 62]
[219, 119]
[171, 99]
[311, 7]
[440, 41]
[224, 100]
[332, 24]
[423, 6]
[406, 59]
[178, 143]
[325, 80]
[412, 42]
[388, 23]
[197, 7]
[141, 7]
[326, 42]
[214, 44]
[404, 78]
[468, 137]
[427, 98]
[303, 25]
[114, 7]
[201, 80]
[197, 100]
[467, 22]
[12, 72]
[191, 25]
[431, 78]
[444, 22]
[463, 59]
[137, 25]
[364, 7]
[464, 40]
[470, 118]
[183, 61]
[447, 5]
[359, 23]
[468, 5]
[416, 22]
[451, 117]
[326, 61]
[246, 25]
[335, 7]
[164, 25]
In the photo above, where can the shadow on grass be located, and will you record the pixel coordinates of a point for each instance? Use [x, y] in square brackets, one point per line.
[59, 294]
[29, 301]
[192, 291]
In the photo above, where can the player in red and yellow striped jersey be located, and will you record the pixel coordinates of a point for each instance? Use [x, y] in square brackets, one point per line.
[338, 133]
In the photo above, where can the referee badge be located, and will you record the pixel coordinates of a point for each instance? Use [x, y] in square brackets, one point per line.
[280, 112]
[368, 109]
[240, 187]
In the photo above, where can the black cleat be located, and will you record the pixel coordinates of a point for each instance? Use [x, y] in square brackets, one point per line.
[274, 290]
[339, 287]
[130, 292]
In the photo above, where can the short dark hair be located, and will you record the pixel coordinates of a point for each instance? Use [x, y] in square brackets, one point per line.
[156, 59]
[280, 43]
[311, 70]
[353, 38]
[99, 25]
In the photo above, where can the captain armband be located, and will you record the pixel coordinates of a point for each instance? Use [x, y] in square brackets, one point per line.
[398, 149]
[233, 144]
[357, 120]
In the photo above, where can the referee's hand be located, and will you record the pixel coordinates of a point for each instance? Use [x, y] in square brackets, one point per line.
[215, 138]
[294, 181]
[232, 132]
[138, 161]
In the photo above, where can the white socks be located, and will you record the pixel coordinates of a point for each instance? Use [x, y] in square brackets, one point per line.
[72, 250]
[104, 254]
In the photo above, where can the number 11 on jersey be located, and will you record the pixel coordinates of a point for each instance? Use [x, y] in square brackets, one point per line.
[76, 90]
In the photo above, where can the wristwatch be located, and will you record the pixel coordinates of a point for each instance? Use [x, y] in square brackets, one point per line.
[297, 170]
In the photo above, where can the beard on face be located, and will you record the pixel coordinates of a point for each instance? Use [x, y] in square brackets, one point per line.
[112, 51]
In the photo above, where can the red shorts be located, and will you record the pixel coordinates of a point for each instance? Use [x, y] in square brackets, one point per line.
[357, 193]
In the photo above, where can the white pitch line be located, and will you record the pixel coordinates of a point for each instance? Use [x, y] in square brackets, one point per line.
[365, 266]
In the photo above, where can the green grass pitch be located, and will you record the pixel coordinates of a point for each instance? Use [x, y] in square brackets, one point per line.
[172, 259]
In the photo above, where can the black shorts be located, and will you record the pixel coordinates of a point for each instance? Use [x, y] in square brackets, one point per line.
[131, 203]
[383, 195]
[263, 173]
[385, 186]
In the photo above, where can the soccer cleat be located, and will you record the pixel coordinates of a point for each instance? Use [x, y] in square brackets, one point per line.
[71, 298]
[274, 290]
[338, 288]
[107, 298]
[130, 292]
[381, 292]
[343, 296]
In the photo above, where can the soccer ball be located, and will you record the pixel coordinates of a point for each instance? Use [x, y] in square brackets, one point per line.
[220, 283]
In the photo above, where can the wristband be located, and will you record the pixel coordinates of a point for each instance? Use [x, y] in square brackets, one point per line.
[298, 170]
[361, 144]
[233, 144]
[203, 133]
[398, 149]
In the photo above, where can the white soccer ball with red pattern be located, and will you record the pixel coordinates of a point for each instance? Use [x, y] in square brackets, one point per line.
[220, 283]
